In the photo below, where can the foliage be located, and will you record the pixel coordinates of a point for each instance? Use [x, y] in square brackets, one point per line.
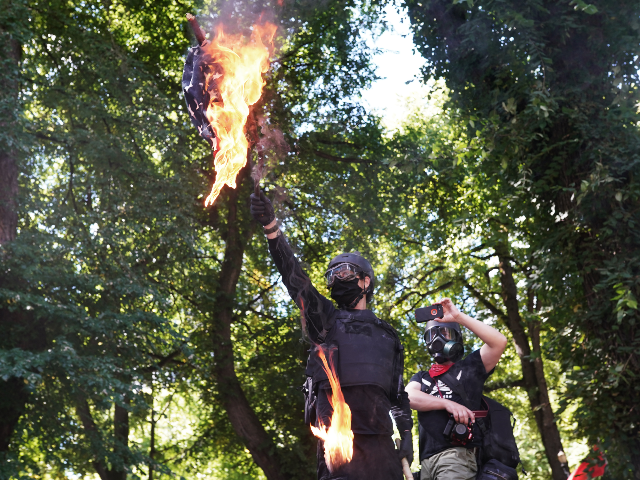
[113, 293]
[115, 270]
[548, 92]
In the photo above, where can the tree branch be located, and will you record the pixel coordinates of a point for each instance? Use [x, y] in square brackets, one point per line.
[262, 292]
[164, 360]
[92, 433]
[339, 142]
[265, 315]
[500, 384]
[486, 257]
[340, 159]
[485, 301]
[444, 286]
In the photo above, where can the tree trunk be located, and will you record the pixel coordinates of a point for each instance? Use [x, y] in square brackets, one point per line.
[121, 435]
[13, 395]
[12, 405]
[244, 420]
[9, 89]
[532, 368]
[8, 195]
[92, 433]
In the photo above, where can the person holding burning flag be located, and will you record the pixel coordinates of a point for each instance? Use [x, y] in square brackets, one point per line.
[364, 351]
[356, 361]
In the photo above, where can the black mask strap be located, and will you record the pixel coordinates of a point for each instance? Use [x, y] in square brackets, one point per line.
[357, 299]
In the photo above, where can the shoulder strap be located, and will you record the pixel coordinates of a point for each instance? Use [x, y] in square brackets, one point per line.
[455, 385]
[392, 331]
[323, 334]
[341, 315]
[429, 381]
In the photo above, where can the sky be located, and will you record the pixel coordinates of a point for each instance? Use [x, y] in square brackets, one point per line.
[397, 65]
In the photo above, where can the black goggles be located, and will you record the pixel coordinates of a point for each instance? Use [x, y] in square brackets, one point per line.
[445, 332]
[343, 272]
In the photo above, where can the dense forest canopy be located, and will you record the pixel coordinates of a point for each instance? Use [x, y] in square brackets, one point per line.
[144, 335]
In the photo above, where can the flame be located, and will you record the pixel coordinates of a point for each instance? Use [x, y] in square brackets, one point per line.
[338, 438]
[239, 83]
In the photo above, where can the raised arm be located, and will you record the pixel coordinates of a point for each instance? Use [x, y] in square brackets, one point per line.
[494, 341]
[317, 310]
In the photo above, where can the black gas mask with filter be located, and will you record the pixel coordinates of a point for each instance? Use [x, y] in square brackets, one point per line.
[444, 340]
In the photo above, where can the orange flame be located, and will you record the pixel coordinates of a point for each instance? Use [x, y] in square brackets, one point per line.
[239, 83]
[338, 438]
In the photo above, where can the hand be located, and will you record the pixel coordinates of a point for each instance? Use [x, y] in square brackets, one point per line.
[451, 312]
[261, 209]
[406, 447]
[461, 414]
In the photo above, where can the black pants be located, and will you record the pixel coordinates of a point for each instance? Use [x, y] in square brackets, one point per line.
[374, 458]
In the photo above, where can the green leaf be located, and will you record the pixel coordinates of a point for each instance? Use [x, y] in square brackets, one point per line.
[590, 9]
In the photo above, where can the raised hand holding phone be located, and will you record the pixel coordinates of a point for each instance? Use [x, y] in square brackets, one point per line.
[450, 311]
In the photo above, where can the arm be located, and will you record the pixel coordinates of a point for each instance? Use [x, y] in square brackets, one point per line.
[494, 341]
[400, 408]
[271, 236]
[423, 402]
[317, 311]
[401, 413]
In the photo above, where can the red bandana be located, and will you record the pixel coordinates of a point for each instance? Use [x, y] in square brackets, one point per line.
[437, 369]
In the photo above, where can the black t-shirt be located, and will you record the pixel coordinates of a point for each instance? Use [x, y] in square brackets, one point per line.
[472, 374]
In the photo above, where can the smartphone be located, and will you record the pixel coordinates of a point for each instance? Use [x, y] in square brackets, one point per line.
[431, 312]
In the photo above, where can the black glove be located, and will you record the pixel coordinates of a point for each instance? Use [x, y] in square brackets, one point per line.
[261, 209]
[406, 447]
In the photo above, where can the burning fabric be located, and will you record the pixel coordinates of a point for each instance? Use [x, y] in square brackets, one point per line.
[222, 79]
[338, 437]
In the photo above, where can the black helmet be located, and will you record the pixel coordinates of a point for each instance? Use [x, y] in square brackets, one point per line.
[444, 341]
[356, 258]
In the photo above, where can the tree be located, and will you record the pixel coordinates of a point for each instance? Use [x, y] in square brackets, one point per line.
[133, 286]
[548, 89]
[13, 32]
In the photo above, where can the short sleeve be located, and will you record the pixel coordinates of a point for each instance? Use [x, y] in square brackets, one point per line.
[474, 365]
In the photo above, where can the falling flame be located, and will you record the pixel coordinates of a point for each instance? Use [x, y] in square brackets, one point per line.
[338, 438]
[239, 83]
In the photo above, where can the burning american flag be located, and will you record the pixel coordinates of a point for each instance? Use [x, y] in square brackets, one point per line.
[222, 80]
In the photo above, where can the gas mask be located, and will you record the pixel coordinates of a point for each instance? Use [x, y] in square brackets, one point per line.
[444, 341]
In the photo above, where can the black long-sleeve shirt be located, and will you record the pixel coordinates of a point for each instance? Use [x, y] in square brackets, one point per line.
[370, 405]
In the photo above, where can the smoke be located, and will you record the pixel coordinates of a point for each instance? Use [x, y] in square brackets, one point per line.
[238, 16]
[271, 147]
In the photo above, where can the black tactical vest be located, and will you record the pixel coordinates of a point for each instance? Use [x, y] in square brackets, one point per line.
[364, 349]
